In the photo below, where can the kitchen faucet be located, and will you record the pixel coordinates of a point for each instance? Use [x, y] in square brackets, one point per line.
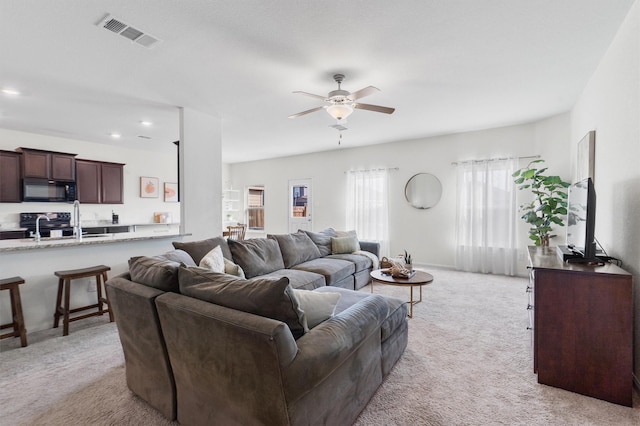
[77, 228]
[38, 225]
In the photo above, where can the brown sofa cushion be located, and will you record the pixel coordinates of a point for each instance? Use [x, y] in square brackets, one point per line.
[156, 272]
[159, 272]
[256, 256]
[265, 297]
[296, 248]
[198, 249]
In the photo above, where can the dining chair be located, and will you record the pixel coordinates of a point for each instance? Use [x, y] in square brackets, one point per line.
[236, 232]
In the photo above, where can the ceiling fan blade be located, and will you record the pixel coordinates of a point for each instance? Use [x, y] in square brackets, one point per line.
[306, 112]
[311, 94]
[370, 90]
[376, 108]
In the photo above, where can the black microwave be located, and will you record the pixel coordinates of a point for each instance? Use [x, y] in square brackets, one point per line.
[35, 189]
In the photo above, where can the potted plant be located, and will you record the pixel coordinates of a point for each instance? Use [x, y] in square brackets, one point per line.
[549, 205]
[407, 261]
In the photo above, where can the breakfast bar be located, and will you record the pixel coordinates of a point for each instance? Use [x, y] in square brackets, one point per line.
[36, 262]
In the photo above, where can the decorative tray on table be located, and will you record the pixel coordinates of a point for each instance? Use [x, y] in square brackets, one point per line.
[398, 272]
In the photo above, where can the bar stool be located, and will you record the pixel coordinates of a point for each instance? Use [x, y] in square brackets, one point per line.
[17, 323]
[100, 272]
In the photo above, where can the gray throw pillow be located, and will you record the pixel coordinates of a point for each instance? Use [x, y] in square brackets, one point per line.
[322, 240]
[270, 298]
[156, 272]
[296, 248]
[179, 256]
[198, 249]
[256, 256]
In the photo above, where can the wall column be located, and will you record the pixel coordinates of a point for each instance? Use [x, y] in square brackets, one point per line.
[200, 174]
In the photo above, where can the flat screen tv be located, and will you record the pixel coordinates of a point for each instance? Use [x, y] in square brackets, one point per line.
[581, 219]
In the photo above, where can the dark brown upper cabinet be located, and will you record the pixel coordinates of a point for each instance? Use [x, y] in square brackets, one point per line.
[10, 174]
[99, 182]
[52, 165]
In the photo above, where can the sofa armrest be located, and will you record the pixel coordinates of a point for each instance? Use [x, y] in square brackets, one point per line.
[323, 349]
[371, 247]
[134, 309]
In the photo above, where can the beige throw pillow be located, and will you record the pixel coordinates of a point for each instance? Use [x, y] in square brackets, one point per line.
[233, 269]
[214, 260]
[317, 307]
[342, 245]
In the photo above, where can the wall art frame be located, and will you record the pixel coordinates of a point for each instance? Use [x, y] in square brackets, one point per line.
[170, 192]
[149, 187]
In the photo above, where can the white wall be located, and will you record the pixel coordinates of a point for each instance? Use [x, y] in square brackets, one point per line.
[428, 234]
[610, 105]
[161, 163]
[200, 174]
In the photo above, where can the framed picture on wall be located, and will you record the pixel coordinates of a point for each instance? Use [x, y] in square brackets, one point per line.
[170, 192]
[149, 187]
[585, 166]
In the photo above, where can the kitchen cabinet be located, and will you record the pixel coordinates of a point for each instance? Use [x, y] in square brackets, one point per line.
[52, 165]
[10, 174]
[100, 182]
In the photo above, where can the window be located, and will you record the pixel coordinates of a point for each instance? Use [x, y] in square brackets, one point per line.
[255, 208]
[486, 217]
[367, 206]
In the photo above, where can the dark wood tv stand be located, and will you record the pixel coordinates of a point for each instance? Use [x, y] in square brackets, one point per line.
[582, 326]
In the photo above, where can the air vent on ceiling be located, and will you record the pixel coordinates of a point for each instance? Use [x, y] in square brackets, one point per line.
[117, 26]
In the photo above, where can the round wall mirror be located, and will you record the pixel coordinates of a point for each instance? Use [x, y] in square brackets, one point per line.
[423, 191]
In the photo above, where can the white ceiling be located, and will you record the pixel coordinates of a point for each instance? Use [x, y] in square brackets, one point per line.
[445, 65]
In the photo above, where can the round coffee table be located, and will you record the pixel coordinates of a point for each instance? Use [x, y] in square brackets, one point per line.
[418, 280]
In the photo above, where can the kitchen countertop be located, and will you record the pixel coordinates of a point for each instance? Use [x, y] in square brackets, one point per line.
[31, 244]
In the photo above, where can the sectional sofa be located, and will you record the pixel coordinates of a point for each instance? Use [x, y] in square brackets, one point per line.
[309, 259]
[281, 347]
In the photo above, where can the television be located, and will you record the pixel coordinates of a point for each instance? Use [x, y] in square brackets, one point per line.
[581, 220]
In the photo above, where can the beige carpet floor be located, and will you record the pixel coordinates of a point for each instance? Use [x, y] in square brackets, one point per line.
[468, 363]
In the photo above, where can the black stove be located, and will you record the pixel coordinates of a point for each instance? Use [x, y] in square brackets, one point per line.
[57, 221]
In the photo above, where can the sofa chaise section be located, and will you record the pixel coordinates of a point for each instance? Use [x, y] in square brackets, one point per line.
[233, 367]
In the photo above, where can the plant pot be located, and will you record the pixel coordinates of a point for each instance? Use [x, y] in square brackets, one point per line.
[408, 266]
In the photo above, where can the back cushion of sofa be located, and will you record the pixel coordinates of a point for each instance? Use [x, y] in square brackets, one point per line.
[322, 240]
[271, 298]
[157, 272]
[198, 249]
[296, 248]
[256, 256]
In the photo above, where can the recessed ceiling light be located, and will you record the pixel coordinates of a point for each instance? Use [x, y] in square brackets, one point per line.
[10, 92]
[115, 135]
[146, 123]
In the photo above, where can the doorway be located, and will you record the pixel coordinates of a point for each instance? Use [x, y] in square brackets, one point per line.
[300, 214]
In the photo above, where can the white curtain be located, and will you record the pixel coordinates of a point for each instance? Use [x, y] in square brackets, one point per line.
[486, 217]
[367, 206]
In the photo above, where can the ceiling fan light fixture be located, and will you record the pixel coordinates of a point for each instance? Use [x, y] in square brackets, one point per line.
[339, 111]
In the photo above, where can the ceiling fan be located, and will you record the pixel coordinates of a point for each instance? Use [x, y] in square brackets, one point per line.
[342, 103]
